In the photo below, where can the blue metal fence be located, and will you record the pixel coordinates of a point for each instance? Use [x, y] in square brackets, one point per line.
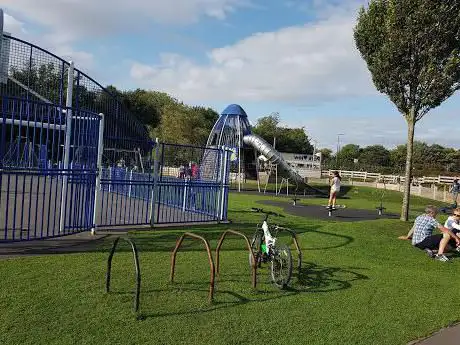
[38, 199]
[174, 192]
[53, 183]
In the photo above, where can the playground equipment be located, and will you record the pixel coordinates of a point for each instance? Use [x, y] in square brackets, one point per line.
[331, 209]
[73, 157]
[233, 131]
[380, 208]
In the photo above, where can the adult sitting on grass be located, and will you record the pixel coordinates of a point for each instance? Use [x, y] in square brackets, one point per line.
[453, 222]
[423, 238]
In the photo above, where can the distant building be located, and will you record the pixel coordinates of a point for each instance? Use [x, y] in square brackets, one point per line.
[305, 165]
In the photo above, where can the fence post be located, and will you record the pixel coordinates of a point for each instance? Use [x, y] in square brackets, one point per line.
[365, 176]
[68, 132]
[420, 189]
[445, 193]
[221, 176]
[222, 186]
[184, 202]
[155, 182]
[434, 191]
[130, 183]
[100, 151]
[110, 179]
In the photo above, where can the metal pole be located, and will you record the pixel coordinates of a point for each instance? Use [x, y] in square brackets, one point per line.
[100, 151]
[68, 132]
[224, 178]
[155, 182]
[240, 149]
[221, 175]
[257, 170]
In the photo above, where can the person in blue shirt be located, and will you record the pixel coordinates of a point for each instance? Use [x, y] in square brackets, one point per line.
[454, 190]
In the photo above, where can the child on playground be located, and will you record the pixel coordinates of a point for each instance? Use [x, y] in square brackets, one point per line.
[335, 188]
[423, 238]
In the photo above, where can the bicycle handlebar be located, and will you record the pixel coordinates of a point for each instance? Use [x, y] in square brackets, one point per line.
[268, 213]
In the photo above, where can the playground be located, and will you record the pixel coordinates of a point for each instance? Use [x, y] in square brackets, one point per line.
[355, 286]
[75, 162]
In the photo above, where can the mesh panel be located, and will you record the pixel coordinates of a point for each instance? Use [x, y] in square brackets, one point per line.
[32, 73]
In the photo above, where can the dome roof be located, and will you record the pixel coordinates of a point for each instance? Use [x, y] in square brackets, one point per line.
[234, 109]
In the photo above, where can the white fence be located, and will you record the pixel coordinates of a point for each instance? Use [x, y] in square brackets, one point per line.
[431, 187]
[395, 179]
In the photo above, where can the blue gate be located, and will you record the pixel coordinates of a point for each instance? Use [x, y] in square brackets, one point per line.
[48, 168]
[180, 184]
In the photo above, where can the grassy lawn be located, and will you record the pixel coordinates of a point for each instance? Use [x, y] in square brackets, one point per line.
[358, 285]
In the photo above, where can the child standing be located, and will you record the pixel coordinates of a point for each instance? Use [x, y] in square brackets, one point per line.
[335, 188]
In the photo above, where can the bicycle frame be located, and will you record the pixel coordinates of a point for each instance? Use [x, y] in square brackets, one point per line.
[269, 239]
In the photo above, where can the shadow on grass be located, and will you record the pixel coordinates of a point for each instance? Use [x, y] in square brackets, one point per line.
[313, 278]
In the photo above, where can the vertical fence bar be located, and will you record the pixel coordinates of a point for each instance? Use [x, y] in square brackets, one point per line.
[68, 132]
[222, 186]
[155, 184]
[100, 151]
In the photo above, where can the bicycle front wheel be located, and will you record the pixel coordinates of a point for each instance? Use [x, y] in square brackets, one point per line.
[281, 268]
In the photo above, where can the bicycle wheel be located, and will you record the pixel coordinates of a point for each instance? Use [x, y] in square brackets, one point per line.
[256, 242]
[281, 268]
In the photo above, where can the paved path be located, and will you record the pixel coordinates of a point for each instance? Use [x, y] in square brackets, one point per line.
[446, 336]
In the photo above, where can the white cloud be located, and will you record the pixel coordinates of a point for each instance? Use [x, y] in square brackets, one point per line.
[80, 18]
[317, 61]
[12, 25]
[388, 130]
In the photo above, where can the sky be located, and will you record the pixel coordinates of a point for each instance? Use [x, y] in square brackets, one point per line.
[294, 57]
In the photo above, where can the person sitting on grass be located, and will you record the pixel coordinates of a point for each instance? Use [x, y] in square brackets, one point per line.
[423, 238]
[335, 188]
[453, 222]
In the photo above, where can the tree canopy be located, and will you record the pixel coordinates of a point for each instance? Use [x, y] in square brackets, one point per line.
[412, 49]
[292, 140]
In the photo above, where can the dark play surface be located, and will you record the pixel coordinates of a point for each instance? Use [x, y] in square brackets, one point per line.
[320, 212]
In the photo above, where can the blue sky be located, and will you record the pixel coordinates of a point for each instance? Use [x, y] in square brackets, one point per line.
[295, 57]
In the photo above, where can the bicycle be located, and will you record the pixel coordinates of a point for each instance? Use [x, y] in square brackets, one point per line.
[265, 248]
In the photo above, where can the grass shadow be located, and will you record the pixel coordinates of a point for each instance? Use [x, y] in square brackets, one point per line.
[313, 278]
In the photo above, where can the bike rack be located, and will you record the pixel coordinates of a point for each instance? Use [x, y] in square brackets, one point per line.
[296, 243]
[211, 262]
[136, 266]
[219, 245]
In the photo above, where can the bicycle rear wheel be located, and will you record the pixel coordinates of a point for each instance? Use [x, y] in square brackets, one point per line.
[281, 268]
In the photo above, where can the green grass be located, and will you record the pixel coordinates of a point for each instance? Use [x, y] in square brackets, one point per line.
[358, 285]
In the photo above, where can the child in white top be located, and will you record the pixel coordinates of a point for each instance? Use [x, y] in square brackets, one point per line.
[335, 188]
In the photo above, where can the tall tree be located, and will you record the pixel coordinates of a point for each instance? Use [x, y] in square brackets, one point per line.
[412, 49]
[293, 140]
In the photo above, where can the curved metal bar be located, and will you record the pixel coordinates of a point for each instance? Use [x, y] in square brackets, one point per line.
[211, 261]
[136, 267]
[296, 243]
[254, 263]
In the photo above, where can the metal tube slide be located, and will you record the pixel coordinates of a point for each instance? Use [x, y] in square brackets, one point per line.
[273, 156]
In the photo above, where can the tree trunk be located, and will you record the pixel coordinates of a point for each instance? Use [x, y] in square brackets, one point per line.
[410, 118]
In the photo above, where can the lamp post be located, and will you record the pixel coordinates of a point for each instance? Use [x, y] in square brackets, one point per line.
[338, 149]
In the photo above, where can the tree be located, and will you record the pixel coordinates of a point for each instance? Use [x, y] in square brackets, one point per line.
[347, 154]
[292, 140]
[267, 127]
[412, 51]
[374, 155]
